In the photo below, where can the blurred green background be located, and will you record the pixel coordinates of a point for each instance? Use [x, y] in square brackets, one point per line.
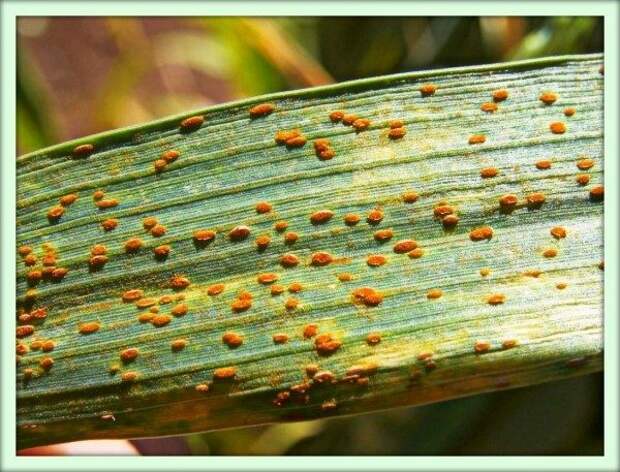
[78, 76]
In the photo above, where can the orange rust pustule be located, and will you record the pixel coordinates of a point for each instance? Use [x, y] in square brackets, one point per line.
[158, 230]
[24, 331]
[416, 253]
[427, 90]
[296, 142]
[239, 305]
[171, 155]
[97, 261]
[277, 289]
[180, 309]
[585, 164]
[68, 200]
[30, 260]
[98, 195]
[481, 346]
[597, 193]
[321, 258]
[442, 211]
[434, 293]
[449, 221]
[509, 343]
[109, 224]
[345, 277]
[280, 338]
[393, 124]
[295, 287]
[46, 363]
[133, 245]
[107, 203]
[262, 109]
[404, 246]
[55, 213]
[129, 355]
[162, 252]
[89, 328]
[373, 339]
[548, 98]
[267, 278]
[291, 238]
[348, 119]
[535, 200]
[326, 344]
[351, 219]
[149, 222]
[569, 111]
[203, 236]
[397, 133]
[544, 164]
[410, 197]
[485, 271]
[215, 289]
[367, 296]
[159, 165]
[508, 201]
[128, 377]
[558, 232]
[488, 172]
[479, 234]
[239, 233]
[383, 235]
[232, 340]
[557, 127]
[336, 116]
[499, 95]
[374, 217]
[192, 123]
[24, 250]
[321, 217]
[361, 124]
[280, 226]
[83, 150]
[477, 139]
[178, 344]
[282, 137]
[310, 330]
[179, 282]
[489, 107]
[496, 299]
[376, 260]
[98, 250]
[161, 320]
[262, 242]
[289, 260]
[263, 207]
[225, 373]
[132, 295]
[291, 304]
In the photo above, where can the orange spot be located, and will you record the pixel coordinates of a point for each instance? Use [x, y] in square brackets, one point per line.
[489, 107]
[535, 200]
[162, 251]
[24, 250]
[240, 305]
[224, 373]
[393, 124]
[416, 253]
[232, 340]
[132, 295]
[267, 278]
[180, 310]
[161, 320]
[488, 172]
[428, 89]
[178, 344]
[133, 245]
[159, 165]
[289, 260]
[283, 136]
[348, 120]
[326, 154]
[179, 283]
[345, 277]
[291, 304]
[109, 225]
[374, 217]
[597, 193]
[146, 317]
[46, 363]
[558, 232]
[482, 346]
[368, 296]
[280, 226]
[404, 246]
[373, 339]
[295, 287]
[145, 302]
[55, 213]
[129, 376]
[477, 139]
[550, 252]
[296, 142]
[321, 216]
[204, 236]
[557, 127]
[107, 203]
[98, 195]
[68, 199]
[280, 338]
[434, 294]
[83, 150]
[410, 197]
[336, 116]
[262, 242]
[496, 299]
[450, 221]
[239, 233]
[583, 179]
[509, 343]
[149, 222]
[376, 260]
[508, 200]
[170, 155]
[585, 164]
[129, 355]
[24, 331]
[90, 327]
[485, 271]
[442, 210]
[479, 234]
[351, 219]
[383, 235]
[543, 165]
[326, 344]
[361, 124]
[569, 111]
[192, 123]
[310, 330]
[34, 276]
[548, 98]
[561, 285]
[500, 95]
[262, 109]
[30, 260]
[321, 258]
[533, 273]
[263, 207]
[98, 261]
[214, 290]
[290, 237]
[277, 289]
[202, 388]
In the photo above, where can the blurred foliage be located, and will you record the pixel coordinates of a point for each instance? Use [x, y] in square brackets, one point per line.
[78, 76]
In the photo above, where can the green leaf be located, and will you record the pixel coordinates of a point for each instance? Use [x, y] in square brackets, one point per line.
[537, 331]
